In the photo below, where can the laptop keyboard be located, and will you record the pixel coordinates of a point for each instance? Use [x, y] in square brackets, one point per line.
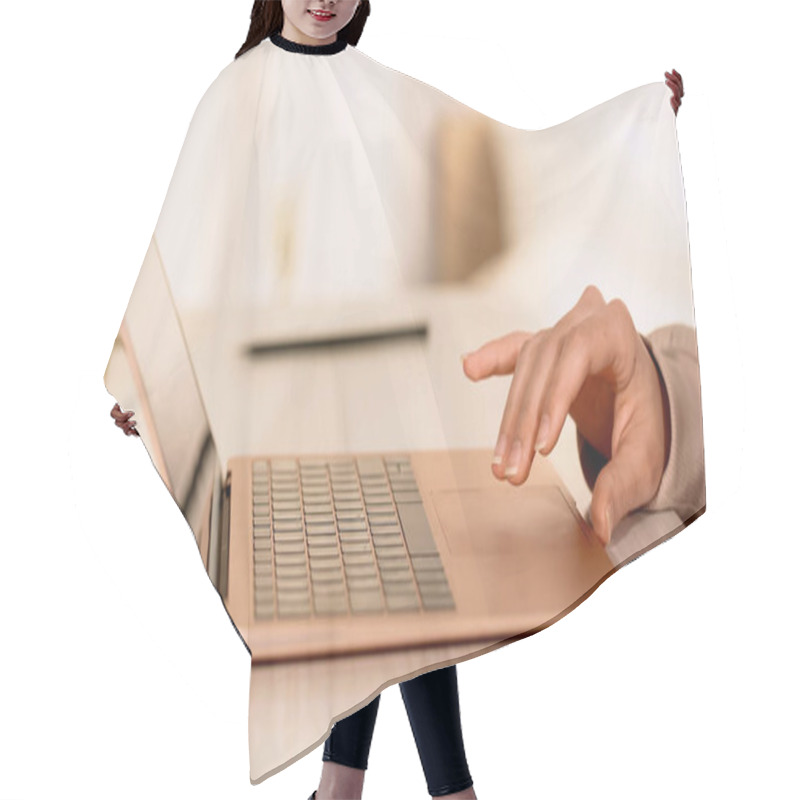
[341, 537]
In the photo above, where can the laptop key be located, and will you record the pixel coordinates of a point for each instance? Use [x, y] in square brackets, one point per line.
[375, 487]
[366, 602]
[349, 505]
[354, 537]
[319, 515]
[317, 540]
[366, 567]
[386, 550]
[288, 504]
[320, 528]
[284, 526]
[434, 589]
[285, 494]
[318, 493]
[384, 517]
[383, 542]
[345, 497]
[289, 542]
[288, 559]
[369, 466]
[354, 559]
[437, 602]
[285, 489]
[377, 495]
[319, 512]
[352, 526]
[416, 528]
[383, 507]
[289, 582]
[334, 609]
[356, 547]
[327, 587]
[292, 572]
[428, 562]
[363, 582]
[322, 551]
[339, 485]
[351, 514]
[402, 587]
[327, 578]
[393, 563]
[395, 576]
[296, 595]
[323, 555]
[425, 579]
[402, 602]
[295, 548]
[294, 610]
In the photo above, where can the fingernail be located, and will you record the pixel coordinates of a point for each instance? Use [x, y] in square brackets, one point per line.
[500, 450]
[544, 430]
[513, 459]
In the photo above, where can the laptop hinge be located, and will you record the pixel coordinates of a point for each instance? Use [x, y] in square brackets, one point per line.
[224, 537]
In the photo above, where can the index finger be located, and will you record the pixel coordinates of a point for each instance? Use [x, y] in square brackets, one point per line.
[498, 357]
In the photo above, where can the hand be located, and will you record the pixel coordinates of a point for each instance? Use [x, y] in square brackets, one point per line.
[675, 82]
[594, 366]
[124, 420]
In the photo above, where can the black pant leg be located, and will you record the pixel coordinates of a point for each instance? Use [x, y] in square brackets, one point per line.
[433, 710]
[351, 738]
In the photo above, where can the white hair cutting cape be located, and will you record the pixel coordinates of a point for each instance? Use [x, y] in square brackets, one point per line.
[321, 197]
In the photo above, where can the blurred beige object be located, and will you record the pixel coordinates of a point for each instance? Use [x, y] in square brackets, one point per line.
[469, 223]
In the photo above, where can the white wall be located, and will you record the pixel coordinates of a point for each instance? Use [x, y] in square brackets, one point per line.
[121, 676]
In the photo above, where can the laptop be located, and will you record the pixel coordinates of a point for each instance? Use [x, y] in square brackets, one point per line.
[323, 554]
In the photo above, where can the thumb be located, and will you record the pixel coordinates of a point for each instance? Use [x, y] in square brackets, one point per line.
[624, 484]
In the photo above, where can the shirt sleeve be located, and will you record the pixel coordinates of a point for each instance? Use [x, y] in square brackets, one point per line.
[683, 487]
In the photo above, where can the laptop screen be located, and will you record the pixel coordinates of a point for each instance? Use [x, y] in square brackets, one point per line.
[151, 373]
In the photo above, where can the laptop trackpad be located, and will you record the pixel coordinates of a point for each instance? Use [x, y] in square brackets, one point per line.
[506, 520]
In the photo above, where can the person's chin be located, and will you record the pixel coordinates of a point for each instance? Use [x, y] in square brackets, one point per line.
[319, 35]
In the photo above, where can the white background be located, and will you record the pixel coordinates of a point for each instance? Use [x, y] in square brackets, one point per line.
[120, 675]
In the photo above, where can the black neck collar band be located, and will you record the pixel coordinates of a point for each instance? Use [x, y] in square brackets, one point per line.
[308, 49]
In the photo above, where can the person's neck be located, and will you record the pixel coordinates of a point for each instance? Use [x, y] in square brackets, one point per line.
[297, 36]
